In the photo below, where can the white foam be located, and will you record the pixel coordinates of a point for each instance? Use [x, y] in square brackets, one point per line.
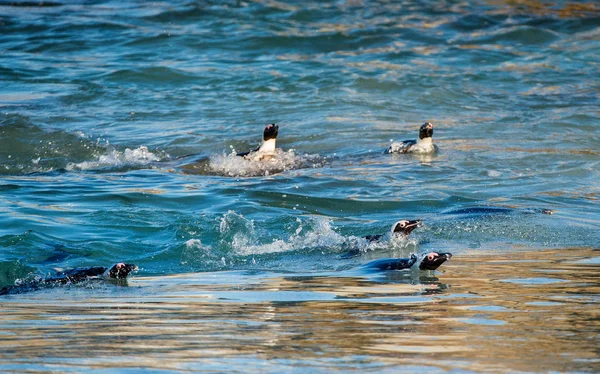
[195, 251]
[115, 158]
[278, 161]
[196, 244]
[311, 233]
[321, 235]
[398, 244]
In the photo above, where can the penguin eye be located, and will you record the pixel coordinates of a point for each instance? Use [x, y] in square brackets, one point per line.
[431, 256]
[402, 224]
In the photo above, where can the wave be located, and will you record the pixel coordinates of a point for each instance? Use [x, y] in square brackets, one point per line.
[27, 148]
[243, 244]
[150, 75]
[520, 34]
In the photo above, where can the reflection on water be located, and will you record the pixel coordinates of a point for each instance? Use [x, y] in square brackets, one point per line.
[489, 312]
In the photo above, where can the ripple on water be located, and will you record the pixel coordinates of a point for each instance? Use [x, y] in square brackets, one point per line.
[94, 93]
[534, 281]
[480, 321]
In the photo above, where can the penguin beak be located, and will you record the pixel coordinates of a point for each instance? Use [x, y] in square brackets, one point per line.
[434, 260]
[414, 224]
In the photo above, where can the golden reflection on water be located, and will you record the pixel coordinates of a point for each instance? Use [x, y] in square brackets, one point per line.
[568, 9]
[486, 312]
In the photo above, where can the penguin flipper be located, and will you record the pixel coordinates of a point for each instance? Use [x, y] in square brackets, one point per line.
[244, 154]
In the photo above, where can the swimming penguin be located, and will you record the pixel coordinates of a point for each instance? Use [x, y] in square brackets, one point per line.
[118, 271]
[267, 148]
[434, 260]
[402, 228]
[422, 145]
[429, 261]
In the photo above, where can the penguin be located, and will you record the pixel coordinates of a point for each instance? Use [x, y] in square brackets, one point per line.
[118, 271]
[429, 261]
[402, 229]
[424, 144]
[433, 260]
[267, 148]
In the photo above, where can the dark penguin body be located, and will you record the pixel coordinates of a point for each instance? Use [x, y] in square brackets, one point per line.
[118, 271]
[385, 264]
[424, 144]
[430, 261]
[269, 140]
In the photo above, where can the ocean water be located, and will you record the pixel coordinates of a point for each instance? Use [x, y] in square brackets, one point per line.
[119, 121]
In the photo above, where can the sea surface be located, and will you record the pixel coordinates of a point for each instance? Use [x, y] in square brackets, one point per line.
[119, 124]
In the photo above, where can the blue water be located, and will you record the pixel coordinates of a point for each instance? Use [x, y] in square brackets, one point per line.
[118, 120]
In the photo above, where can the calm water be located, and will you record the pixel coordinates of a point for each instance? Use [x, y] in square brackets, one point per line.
[117, 125]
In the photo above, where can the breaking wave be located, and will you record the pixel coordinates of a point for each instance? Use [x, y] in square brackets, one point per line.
[27, 148]
[244, 243]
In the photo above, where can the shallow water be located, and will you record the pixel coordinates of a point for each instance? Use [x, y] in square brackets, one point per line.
[118, 124]
[487, 312]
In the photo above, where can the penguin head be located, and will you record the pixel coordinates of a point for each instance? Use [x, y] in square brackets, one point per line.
[270, 132]
[434, 260]
[405, 226]
[121, 270]
[426, 130]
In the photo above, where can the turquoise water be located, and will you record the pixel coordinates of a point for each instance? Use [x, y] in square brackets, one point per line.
[118, 120]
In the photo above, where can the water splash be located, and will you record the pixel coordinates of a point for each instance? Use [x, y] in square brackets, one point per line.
[26, 147]
[232, 165]
[114, 158]
[195, 251]
[320, 236]
[308, 234]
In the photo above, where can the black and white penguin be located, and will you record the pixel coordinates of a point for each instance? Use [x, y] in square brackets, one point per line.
[267, 148]
[118, 271]
[429, 261]
[424, 144]
[402, 229]
[434, 260]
